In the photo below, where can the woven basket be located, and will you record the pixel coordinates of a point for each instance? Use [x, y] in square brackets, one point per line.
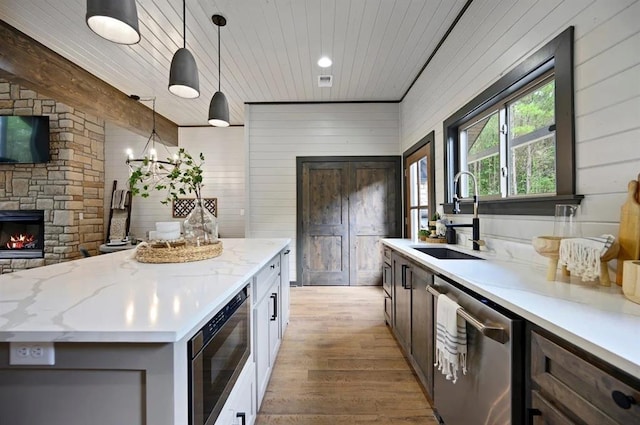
[176, 252]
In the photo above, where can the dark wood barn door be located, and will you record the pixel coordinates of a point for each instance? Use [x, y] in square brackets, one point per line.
[345, 207]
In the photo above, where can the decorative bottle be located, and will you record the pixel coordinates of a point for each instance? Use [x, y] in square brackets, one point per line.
[200, 226]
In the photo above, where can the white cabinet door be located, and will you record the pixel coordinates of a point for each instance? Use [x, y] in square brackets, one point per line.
[240, 408]
[262, 349]
[284, 290]
[268, 313]
[274, 323]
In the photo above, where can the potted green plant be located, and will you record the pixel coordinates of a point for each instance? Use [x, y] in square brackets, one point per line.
[184, 176]
[422, 234]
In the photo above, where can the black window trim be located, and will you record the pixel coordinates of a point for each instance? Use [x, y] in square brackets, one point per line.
[556, 54]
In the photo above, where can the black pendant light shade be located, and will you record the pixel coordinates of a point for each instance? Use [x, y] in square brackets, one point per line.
[114, 20]
[219, 110]
[219, 107]
[183, 75]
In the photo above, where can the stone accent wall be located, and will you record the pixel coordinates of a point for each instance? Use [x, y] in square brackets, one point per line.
[69, 188]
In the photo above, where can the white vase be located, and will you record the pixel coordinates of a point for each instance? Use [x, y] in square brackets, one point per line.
[200, 226]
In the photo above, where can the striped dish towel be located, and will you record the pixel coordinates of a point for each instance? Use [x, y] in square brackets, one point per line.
[451, 339]
[119, 199]
[582, 255]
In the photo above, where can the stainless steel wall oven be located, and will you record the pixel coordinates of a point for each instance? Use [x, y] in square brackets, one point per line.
[217, 355]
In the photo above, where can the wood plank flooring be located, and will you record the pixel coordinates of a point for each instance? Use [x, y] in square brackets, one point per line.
[339, 364]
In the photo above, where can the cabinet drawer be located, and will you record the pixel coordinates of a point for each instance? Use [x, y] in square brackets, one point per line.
[386, 253]
[580, 390]
[547, 413]
[264, 278]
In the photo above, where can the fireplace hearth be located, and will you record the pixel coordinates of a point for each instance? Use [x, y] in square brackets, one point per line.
[22, 234]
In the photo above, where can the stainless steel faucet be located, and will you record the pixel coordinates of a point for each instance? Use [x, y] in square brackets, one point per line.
[456, 201]
[456, 208]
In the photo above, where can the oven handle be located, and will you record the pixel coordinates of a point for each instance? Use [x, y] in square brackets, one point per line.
[496, 333]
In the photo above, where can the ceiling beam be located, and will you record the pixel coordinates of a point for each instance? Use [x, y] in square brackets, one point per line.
[29, 63]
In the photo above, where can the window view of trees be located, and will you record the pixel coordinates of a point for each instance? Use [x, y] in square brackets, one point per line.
[483, 158]
[532, 146]
[527, 146]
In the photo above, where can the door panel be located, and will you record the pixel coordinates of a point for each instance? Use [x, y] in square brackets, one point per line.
[372, 216]
[325, 259]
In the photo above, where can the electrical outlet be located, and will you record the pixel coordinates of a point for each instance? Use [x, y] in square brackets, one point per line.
[31, 353]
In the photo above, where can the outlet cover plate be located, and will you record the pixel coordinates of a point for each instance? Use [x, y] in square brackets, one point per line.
[32, 353]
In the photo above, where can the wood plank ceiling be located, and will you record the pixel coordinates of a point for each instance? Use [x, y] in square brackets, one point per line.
[269, 48]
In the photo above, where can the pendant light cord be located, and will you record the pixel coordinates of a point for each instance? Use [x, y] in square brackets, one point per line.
[153, 130]
[219, 64]
[184, 24]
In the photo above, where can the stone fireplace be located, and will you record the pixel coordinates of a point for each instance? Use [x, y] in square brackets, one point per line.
[67, 192]
[22, 234]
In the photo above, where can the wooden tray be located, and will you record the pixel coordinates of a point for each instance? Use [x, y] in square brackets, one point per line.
[436, 240]
[181, 253]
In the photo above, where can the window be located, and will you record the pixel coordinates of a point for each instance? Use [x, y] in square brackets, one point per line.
[517, 137]
[420, 196]
[511, 150]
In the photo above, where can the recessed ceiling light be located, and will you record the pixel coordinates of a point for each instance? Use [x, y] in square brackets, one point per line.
[324, 62]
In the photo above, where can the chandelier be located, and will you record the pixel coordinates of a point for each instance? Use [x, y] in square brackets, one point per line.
[149, 168]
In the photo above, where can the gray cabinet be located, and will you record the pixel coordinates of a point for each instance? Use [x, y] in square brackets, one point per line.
[568, 389]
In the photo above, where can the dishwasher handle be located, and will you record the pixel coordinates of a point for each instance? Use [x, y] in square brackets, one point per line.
[496, 333]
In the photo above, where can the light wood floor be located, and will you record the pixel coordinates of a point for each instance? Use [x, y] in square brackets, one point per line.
[339, 364]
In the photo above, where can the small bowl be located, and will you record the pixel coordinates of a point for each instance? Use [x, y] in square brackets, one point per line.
[549, 246]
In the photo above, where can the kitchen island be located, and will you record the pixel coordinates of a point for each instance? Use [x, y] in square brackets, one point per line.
[122, 323]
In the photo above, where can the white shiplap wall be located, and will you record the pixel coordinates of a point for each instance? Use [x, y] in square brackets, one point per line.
[224, 172]
[224, 177]
[277, 134]
[493, 37]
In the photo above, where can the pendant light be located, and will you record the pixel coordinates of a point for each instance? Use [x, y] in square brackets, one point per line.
[153, 170]
[114, 20]
[219, 108]
[183, 75]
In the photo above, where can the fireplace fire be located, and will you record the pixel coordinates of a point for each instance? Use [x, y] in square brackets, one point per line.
[22, 234]
[21, 242]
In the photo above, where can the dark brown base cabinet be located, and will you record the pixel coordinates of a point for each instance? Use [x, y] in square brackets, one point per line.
[566, 389]
[387, 286]
[413, 316]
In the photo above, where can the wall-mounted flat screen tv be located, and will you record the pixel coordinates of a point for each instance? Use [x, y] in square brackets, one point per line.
[24, 139]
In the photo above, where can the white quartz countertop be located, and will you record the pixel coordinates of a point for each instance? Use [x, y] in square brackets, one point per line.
[114, 298]
[597, 319]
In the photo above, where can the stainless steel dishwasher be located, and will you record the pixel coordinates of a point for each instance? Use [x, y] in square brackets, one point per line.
[492, 391]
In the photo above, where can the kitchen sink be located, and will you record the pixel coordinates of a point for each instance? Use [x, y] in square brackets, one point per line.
[446, 254]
